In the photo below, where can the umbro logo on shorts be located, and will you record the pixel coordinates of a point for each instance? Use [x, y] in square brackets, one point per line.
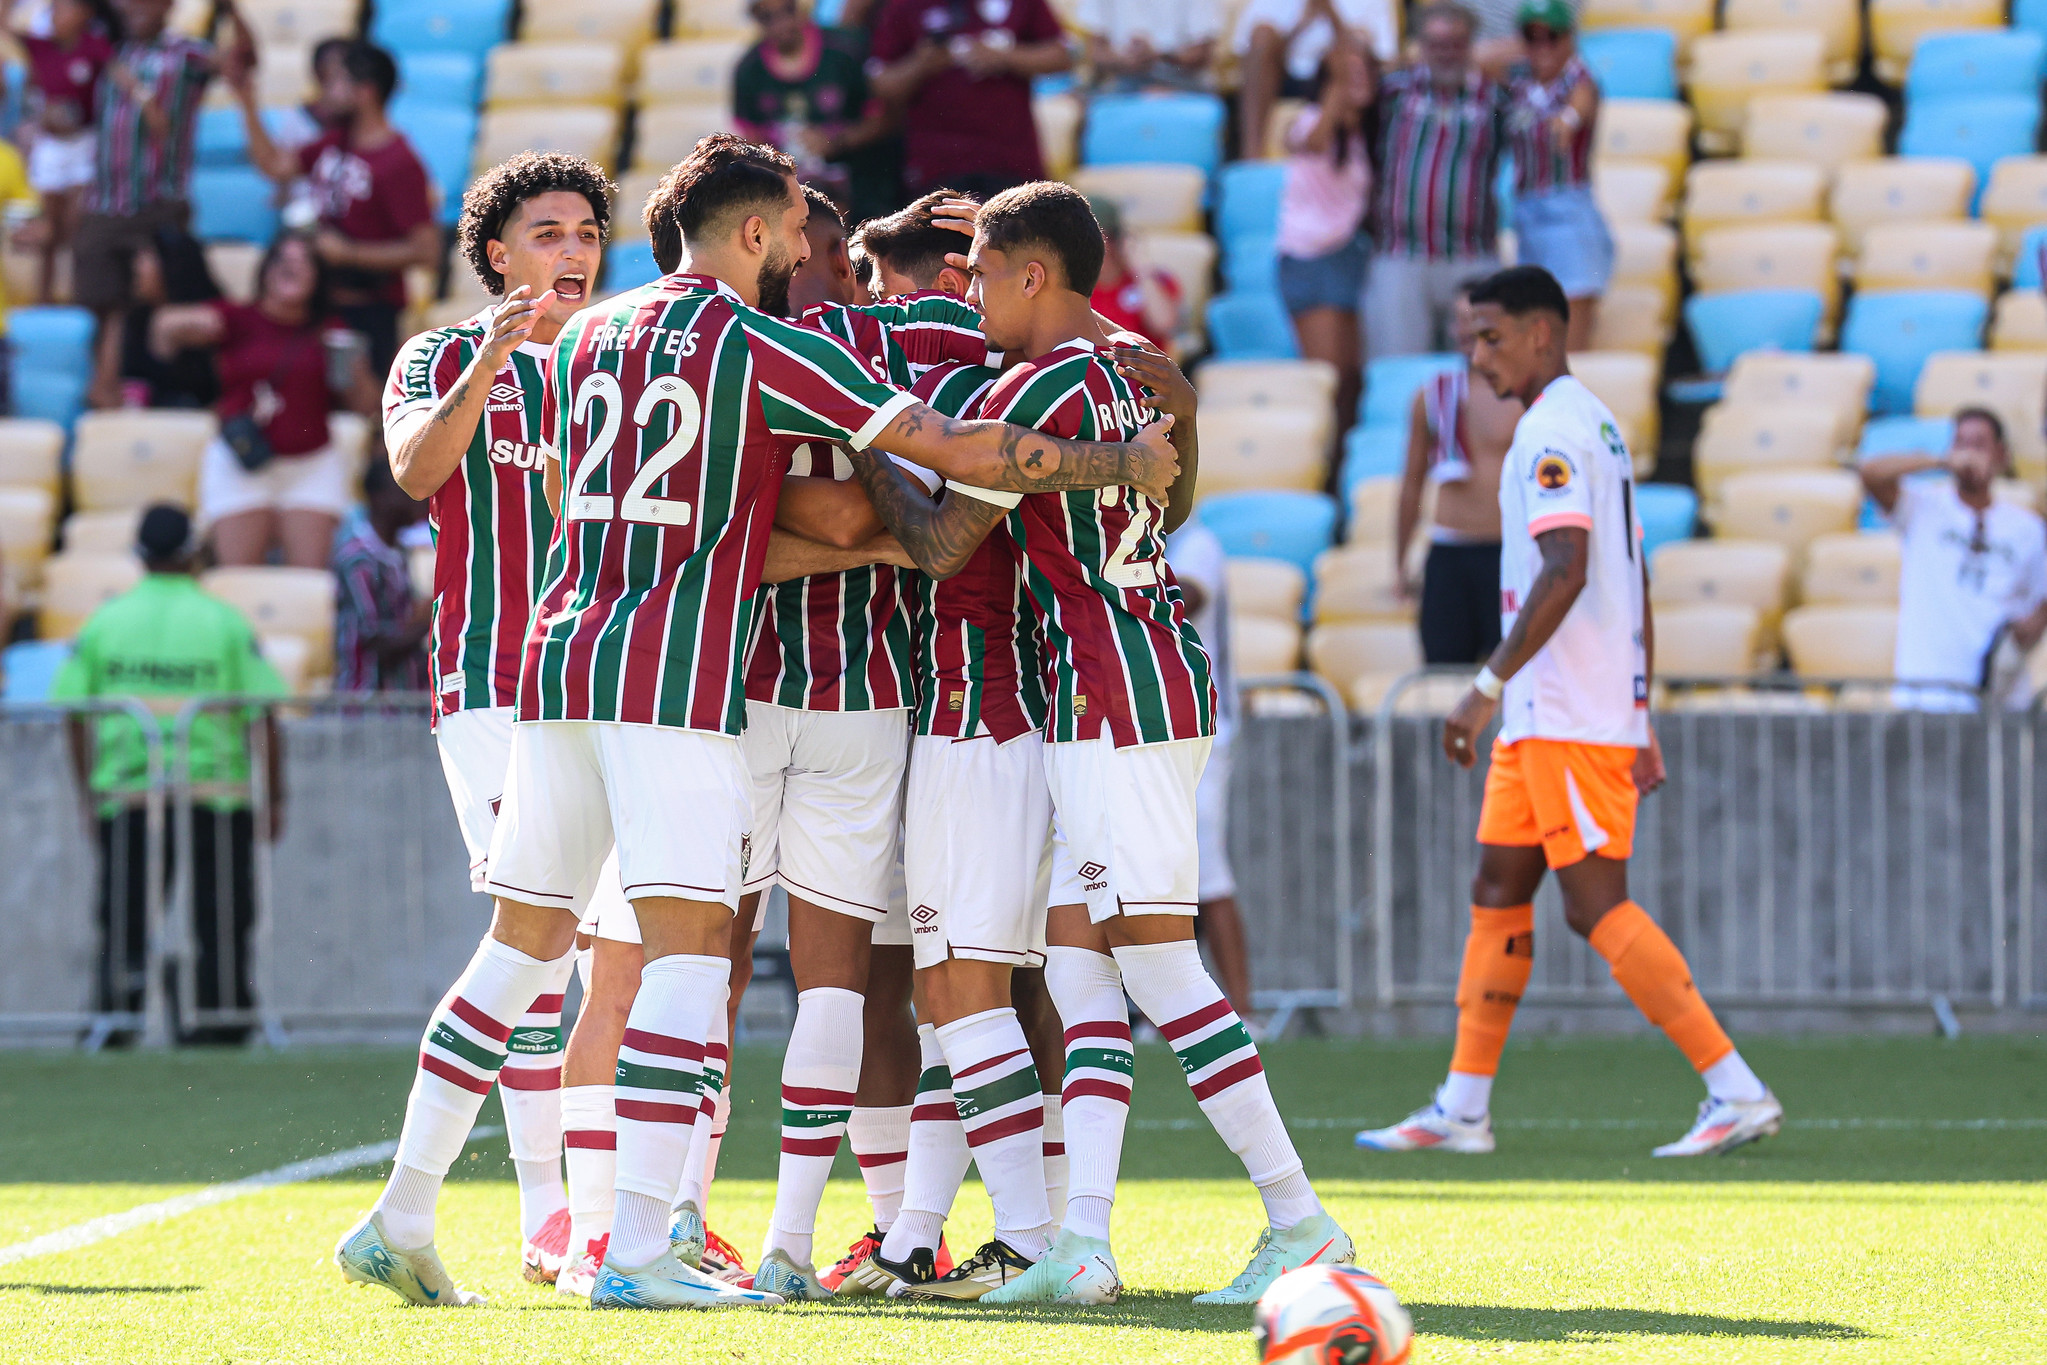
[923, 914]
[506, 398]
[1090, 871]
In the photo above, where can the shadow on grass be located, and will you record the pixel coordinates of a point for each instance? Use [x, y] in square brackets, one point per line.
[1166, 1312]
[104, 1288]
[1486, 1322]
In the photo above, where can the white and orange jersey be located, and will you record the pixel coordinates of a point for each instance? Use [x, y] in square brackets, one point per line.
[1569, 467]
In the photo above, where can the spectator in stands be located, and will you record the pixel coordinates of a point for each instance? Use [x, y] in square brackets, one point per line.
[1442, 128]
[1323, 249]
[1974, 569]
[294, 128]
[959, 75]
[65, 64]
[174, 272]
[1498, 44]
[365, 188]
[1557, 225]
[148, 104]
[380, 624]
[273, 477]
[1132, 297]
[167, 641]
[1282, 44]
[799, 90]
[1135, 45]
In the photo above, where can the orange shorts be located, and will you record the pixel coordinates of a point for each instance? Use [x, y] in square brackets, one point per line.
[1571, 798]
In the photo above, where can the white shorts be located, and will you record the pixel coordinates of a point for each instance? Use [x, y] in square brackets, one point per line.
[609, 914]
[61, 161]
[322, 481]
[827, 803]
[1212, 827]
[1129, 821]
[675, 799]
[893, 929]
[476, 747]
[977, 849]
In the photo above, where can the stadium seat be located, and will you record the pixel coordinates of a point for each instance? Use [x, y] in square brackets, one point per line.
[2010, 383]
[1975, 62]
[1058, 118]
[2028, 264]
[1750, 192]
[1840, 382]
[1978, 130]
[1730, 69]
[1631, 191]
[1896, 26]
[1251, 263]
[1723, 326]
[1683, 20]
[629, 23]
[1736, 437]
[1646, 254]
[1626, 383]
[628, 265]
[689, 71]
[1722, 573]
[1175, 129]
[2029, 16]
[2015, 200]
[1707, 640]
[1347, 653]
[1247, 200]
[2020, 323]
[280, 601]
[1777, 256]
[76, 585]
[664, 134]
[1898, 189]
[132, 458]
[1855, 643]
[30, 669]
[56, 338]
[1188, 258]
[1279, 524]
[1358, 582]
[28, 523]
[1638, 63]
[627, 224]
[1371, 453]
[448, 80]
[1153, 197]
[1666, 512]
[1899, 435]
[1374, 506]
[1632, 317]
[1265, 587]
[1277, 384]
[233, 266]
[1251, 326]
[1790, 508]
[586, 130]
[31, 454]
[1658, 130]
[554, 73]
[1391, 383]
[233, 201]
[297, 23]
[713, 19]
[1899, 330]
[1927, 256]
[443, 137]
[1264, 646]
[472, 26]
[1827, 130]
[1857, 568]
[101, 532]
[1263, 448]
[1838, 22]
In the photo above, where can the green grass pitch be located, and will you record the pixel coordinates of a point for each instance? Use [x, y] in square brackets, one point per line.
[1885, 1224]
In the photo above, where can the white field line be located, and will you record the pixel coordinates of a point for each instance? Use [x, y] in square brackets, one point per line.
[1891, 1125]
[114, 1224]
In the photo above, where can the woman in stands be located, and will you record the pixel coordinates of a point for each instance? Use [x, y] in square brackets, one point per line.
[1554, 101]
[171, 273]
[273, 478]
[65, 61]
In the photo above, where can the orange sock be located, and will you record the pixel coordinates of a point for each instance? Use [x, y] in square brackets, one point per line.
[1497, 958]
[1652, 971]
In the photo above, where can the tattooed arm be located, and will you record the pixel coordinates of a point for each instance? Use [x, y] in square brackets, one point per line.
[1565, 553]
[1013, 459]
[427, 445]
[939, 536]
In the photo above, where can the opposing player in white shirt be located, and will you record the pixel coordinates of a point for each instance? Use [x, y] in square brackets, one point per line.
[1571, 682]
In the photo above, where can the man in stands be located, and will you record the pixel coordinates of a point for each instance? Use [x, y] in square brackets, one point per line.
[800, 88]
[379, 624]
[1575, 751]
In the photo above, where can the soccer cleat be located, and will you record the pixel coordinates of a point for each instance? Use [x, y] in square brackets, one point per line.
[686, 1234]
[994, 1265]
[857, 1255]
[1076, 1270]
[920, 1267]
[366, 1256]
[1312, 1241]
[792, 1281]
[665, 1282]
[580, 1275]
[1430, 1129]
[722, 1260]
[547, 1251]
[1724, 1125]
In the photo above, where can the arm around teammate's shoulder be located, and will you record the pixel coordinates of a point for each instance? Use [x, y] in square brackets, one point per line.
[939, 536]
[1014, 459]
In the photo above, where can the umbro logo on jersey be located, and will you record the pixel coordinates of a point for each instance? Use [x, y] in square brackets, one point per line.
[1080, 704]
[956, 700]
[506, 398]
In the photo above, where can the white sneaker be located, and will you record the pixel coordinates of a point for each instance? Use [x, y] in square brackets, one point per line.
[1312, 1241]
[666, 1282]
[366, 1256]
[1430, 1129]
[1724, 1125]
[1076, 1270]
[686, 1234]
[794, 1282]
[579, 1276]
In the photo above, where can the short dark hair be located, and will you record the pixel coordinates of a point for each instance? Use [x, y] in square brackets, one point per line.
[368, 64]
[821, 203]
[664, 234]
[1983, 415]
[331, 46]
[723, 175]
[1520, 290]
[910, 240]
[163, 535]
[1051, 216]
[495, 196]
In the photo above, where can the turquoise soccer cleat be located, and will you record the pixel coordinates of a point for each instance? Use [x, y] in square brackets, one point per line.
[665, 1282]
[686, 1234]
[1312, 1241]
[366, 1256]
[1077, 1270]
[777, 1274]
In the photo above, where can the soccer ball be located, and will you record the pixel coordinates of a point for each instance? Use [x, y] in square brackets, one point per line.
[1331, 1315]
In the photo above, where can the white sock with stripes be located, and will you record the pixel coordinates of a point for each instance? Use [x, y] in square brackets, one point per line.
[590, 1141]
[1087, 990]
[659, 1092]
[1055, 1159]
[938, 1157]
[819, 1074]
[696, 1178]
[1176, 993]
[881, 1142]
[529, 1089]
[458, 1061]
[995, 1089]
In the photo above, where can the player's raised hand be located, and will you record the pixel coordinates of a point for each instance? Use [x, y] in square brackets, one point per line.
[1161, 460]
[516, 318]
[1152, 368]
[960, 215]
[1465, 723]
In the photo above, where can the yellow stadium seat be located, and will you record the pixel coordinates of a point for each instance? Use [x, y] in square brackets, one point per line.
[1706, 640]
[1632, 317]
[1646, 254]
[586, 130]
[1858, 568]
[1828, 130]
[289, 657]
[1260, 448]
[714, 19]
[1644, 130]
[666, 133]
[1717, 572]
[191, 17]
[1684, 20]
[690, 71]
[1187, 257]
[297, 23]
[1730, 69]
[101, 533]
[554, 73]
[1895, 27]
[1374, 506]
[629, 23]
[31, 452]
[2020, 323]
[1791, 508]
[284, 77]
[137, 457]
[28, 518]
[627, 224]
[233, 266]
[1632, 191]
[1626, 382]
[1154, 197]
[281, 601]
[1778, 256]
[1842, 642]
[1839, 382]
[1277, 124]
[1927, 256]
[1358, 583]
[1262, 646]
[1749, 192]
[1838, 22]
[1058, 118]
[1741, 436]
[76, 585]
[2015, 200]
[1898, 189]
[1265, 587]
[1286, 384]
[2012, 384]
[1352, 652]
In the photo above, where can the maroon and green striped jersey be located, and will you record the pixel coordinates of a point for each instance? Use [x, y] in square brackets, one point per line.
[909, 333]
[1539, 164]
[490, 520]
[1439, 153]
[133, 167]
[1122, 659]
[675, 409]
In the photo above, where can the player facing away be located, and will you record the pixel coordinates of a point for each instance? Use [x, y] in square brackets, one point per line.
[1575, 751]
[462, 423]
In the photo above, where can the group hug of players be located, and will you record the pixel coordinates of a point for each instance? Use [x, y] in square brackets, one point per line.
[871, 604]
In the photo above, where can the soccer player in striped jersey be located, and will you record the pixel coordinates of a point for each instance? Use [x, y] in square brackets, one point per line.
[462, 423]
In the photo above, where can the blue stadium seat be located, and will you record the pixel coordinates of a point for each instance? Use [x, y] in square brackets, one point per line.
[472, 26]
[1273, 524]
[1251, 264]
[628, 265]
[31, 669]
[1666, 512]
[1179, 129]
[1372, 453]
[1899, 328]
[2029, 16]
[220, 139]
[49, 362]
[1632, 63]
[1251, 326]
[2026, 267]
[1975, 62]
[1978, 131]
[443, 136]
[233, 202]
[448, 79]
[49, 395]
[1247, 200]
[1390, 384]
[1725, 325]
[1898, 435]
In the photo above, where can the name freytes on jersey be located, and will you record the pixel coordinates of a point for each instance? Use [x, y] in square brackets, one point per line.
[670, 341]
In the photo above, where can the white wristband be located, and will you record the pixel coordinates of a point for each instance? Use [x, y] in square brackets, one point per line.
[1488, 684]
